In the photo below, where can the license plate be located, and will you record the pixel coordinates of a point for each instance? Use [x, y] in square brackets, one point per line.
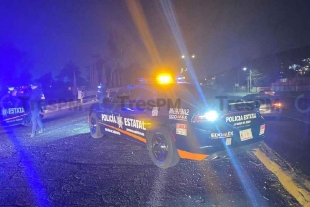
[262, 130]
[228, 141]
[246, 134]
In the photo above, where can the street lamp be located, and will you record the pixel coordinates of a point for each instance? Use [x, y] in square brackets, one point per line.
[249, 81]
[244, 69]
[185, 57]
[193, 56]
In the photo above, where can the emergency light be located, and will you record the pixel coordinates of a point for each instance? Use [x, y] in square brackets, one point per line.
[164, 79]
[181, 79]
[159, 79]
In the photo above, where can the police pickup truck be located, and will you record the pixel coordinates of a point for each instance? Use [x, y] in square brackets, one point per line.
[14, 107]
[178, 120]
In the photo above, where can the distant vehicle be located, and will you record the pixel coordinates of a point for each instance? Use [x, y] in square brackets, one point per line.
[267, 92]
[269, 105]
[14, 107]
[150, 113]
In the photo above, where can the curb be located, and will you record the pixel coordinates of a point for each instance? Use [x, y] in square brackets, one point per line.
[293, 181]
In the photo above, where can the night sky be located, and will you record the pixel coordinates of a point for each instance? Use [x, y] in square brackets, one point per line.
[220, 33]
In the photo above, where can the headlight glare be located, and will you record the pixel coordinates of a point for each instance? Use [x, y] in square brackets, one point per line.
[209, 116]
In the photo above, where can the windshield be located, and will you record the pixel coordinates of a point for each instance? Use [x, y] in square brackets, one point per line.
[155, 103]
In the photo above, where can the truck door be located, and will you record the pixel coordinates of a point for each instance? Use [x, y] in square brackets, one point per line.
[12, 111]
[137, 114]
[112, 112]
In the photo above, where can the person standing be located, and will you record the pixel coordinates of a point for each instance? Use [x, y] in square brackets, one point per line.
[36, 101]
[101, 93]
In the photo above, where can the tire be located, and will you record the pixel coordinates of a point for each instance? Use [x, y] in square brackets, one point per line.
[95, 130]
[162, 157]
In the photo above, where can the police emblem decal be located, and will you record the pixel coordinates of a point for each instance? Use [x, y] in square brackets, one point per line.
[155, 111]
[4, 112]
[119, 121]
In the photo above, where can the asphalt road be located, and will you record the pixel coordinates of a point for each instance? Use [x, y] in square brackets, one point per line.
[290, 138]
[65, 167]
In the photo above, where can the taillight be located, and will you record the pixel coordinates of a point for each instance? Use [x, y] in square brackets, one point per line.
[277, 105]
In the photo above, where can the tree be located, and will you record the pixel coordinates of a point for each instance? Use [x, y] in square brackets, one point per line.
[46, 80]
[14, 66]
[306, 67]
[257, 77]
[66, 75]
[116, 45]
[134, 71]
[101, 69]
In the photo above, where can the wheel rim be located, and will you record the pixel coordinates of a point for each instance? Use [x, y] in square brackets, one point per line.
[93, 125]
[159, 147]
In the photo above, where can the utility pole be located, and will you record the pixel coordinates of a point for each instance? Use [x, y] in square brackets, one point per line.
[247, 79]
[297, 82]
[250, 81]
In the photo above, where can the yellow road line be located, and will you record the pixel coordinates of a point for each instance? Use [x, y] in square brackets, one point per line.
[296, 119]
[300, 194]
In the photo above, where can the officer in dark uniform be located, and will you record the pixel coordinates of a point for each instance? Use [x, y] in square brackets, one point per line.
[11, 100]
[36, 101]
[101, 93]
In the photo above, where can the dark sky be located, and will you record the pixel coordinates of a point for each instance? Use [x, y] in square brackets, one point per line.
[220, 33]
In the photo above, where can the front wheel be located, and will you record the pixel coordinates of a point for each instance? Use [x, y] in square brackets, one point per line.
[162, 149]
[95, 130]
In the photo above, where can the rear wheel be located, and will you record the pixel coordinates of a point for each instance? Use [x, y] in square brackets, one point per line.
[95, 130]
[162, 148]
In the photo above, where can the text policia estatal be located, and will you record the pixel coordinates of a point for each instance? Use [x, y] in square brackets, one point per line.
[240, 117]
[128, 122]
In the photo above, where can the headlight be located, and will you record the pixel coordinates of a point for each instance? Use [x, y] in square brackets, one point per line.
[211, 115]
[208, 116]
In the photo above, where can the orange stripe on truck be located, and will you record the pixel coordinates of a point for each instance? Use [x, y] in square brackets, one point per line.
[182, 154]
[127, 133]
[191, 156]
